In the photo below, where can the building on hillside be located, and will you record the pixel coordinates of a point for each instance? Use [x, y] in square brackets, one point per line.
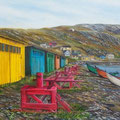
[67, 47]
[91, 57]
[44, 45]
[75, 54]
[102, 57]
[84, 58]
[110, 56]
[12, 60]
[52, 44]
[88, 58]
[66, 52]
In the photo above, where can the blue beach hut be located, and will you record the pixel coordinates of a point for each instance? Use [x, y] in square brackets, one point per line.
[62, 62]
[34, 60]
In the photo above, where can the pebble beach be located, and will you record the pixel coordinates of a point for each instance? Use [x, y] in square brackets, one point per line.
[100, 97]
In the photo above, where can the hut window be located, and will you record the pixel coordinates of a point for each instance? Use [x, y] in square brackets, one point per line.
[13, 49]
[0, 47]
[6, 48]
[3, 47]
[19, 50]
[10, 48]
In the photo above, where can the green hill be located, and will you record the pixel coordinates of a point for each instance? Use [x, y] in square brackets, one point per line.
[96, 39]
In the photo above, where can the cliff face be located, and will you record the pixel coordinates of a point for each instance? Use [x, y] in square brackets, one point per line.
[96, 39]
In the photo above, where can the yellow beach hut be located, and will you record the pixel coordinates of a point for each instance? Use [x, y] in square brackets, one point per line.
[12, 60]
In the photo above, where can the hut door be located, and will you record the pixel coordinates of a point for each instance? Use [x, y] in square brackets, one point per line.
[35, 62]
[15, 66]
[4, 65]
[42, 62]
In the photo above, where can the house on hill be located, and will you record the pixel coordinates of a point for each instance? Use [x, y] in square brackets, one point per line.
[52, 44]
[67, 47]
[102, 57]
[88, 58]
[84, 58]
[75, 54]
[66, 52]
[44, 45]
[110, 56]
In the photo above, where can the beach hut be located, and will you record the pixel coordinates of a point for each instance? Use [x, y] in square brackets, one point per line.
[57, 62]
[62, 62]
[66, 61]
[34, 60]
[50, 62]
[12, 60]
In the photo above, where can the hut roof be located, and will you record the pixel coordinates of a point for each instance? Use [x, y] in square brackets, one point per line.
[19, 37]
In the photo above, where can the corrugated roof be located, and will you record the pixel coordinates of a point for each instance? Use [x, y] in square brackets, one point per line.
[46, 50]
[15, 40]
[30, 44]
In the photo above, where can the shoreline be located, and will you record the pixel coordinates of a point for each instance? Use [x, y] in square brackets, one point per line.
[109, 63]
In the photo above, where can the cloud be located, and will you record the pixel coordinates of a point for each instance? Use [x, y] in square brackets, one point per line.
[107, 2]
[48, 13]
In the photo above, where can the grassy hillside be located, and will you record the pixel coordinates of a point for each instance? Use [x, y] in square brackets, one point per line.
[89, 39]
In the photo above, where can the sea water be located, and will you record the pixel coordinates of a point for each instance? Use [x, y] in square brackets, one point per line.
[110, 69]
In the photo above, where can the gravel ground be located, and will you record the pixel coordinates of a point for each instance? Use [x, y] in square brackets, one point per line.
[99, 95]
[103, 100]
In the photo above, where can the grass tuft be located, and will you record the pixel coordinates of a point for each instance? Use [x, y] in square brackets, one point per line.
[79, 113]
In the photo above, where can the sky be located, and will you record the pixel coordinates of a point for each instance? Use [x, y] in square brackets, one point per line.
[50, 13]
